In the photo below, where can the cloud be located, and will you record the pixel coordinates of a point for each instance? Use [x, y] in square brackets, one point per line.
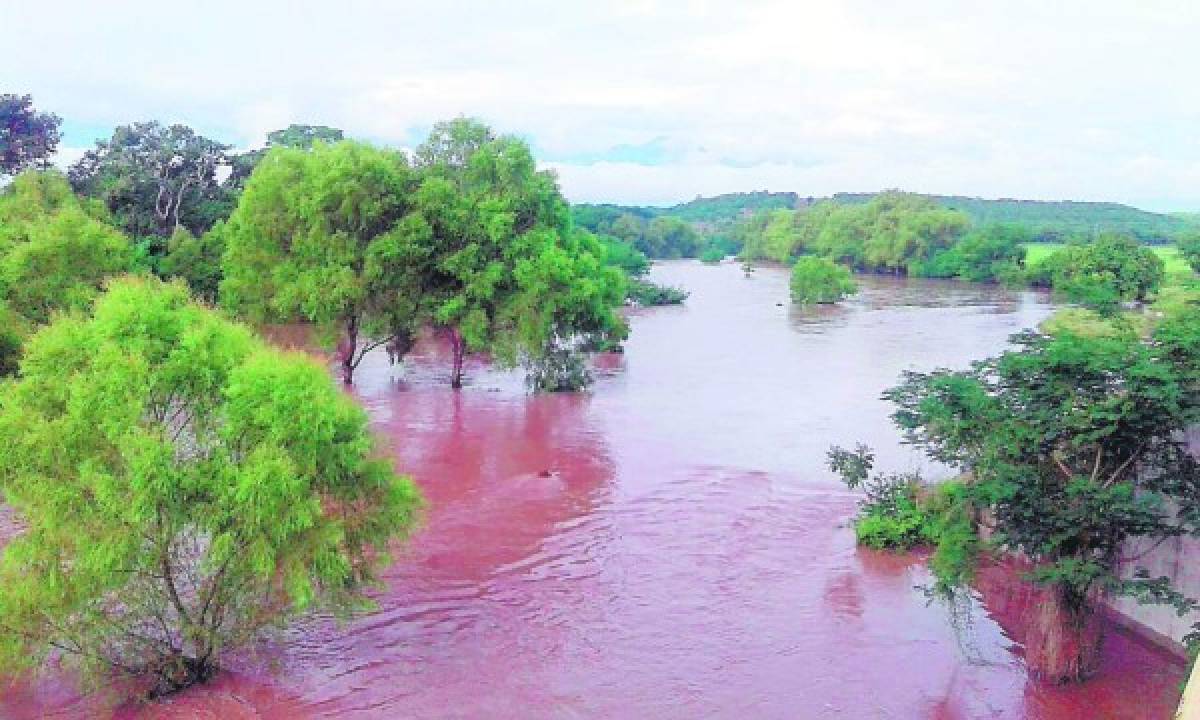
[653, 101]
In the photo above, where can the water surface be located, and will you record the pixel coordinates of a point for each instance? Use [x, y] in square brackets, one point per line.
[669, 545]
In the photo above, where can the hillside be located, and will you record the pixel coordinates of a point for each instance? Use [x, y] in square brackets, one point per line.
[1050, 221]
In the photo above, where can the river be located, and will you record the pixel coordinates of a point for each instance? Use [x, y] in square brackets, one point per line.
[669, 545]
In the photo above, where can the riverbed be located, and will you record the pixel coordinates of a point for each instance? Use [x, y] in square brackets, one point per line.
[669, 544]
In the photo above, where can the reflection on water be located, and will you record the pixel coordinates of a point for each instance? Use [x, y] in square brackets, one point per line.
[669, 545]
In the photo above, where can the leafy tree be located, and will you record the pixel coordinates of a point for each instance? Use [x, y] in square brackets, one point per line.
[817, 280]
[318, 234]
[712, 255]
[498, 234]
[625, 256]
[28, 138]
[1189, 247]
[669, 237]
[1074, 446]
[992, 252]
[155, 179]
[203, 487]
[54, 253]
[304, 136]
[1105, 273]
[197, 260]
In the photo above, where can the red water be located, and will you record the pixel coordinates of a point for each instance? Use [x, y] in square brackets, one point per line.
[669, 545]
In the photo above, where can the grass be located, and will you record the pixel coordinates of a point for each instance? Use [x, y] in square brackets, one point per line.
[1175, 265]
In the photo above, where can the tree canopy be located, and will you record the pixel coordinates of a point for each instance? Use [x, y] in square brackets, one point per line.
[1074, 445]
[155, 179]
[317, 234]
[202, 487]
[28, 138]
[820, 281]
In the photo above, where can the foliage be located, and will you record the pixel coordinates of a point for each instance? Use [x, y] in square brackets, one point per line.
[28, 138]
[203, 487]
[992, 252]
[559, 368]
[197, 260]
[318, 234]
[648, 294]
[817, 280]
[155, 179]
[504, 272]
[669, 237]
[712, 255]
[304, 136]
[12, 332]
[622, 254]
[1189, 248]
[890, 514]
[1073, 443]
[54, 253]
[1103, 274]
[1054, 221]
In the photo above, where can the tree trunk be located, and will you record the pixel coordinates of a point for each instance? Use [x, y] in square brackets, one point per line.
[349, 347]
[1063, 639]
[181, 672]
[459, 349]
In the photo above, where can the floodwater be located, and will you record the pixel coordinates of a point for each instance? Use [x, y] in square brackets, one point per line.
[669, 545]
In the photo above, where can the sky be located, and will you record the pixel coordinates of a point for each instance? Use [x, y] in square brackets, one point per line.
[655, 102]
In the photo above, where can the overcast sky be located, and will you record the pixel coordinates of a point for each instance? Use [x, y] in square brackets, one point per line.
[655, 102]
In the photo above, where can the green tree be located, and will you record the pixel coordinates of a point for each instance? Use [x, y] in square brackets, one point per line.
[1073, 443]
[55, 254]
[669, 237]
[318, 234]
[28, 138]
[197, 260]
[1189, 248]
[496, 230]
[1105, 273]
[817, 280]
[203, 487]
[155, 179]
[304, 136]
[992, 252]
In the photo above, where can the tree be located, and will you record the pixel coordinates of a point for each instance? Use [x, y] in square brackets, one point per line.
[203, 487]
[55, 255]
[497, 232]
[304, 136]
[1189, 248]
[992, 252]
[817, 280]
[1073, 443]
[28, 138]
[669, 237]
[318, 234]
[155, 179]
[197, 260]
[1105, 273]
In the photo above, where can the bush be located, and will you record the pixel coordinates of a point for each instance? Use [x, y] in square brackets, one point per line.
[646, 293]
[561, 368]
[712, 255]
[817, 280]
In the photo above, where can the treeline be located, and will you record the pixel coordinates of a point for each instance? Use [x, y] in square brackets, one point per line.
[465, 238]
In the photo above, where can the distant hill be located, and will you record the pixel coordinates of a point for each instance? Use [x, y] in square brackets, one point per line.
[1050, 221]
[1054, 221]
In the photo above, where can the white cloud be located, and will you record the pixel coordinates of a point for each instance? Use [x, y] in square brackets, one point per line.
[1090, 100]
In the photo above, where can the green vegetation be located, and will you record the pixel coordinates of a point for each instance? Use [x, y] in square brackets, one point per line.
[646, 293]
[317, 235]
[817, 280]
[1103, 274]
[712, 255]
[1055, 221]
[1067, 469]
[1188, 251]
[202, 487]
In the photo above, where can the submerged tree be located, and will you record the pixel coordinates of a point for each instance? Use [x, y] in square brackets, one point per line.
[497, 235]
[318, 234]
[820, 281]
[202, 488]
[1074, 443]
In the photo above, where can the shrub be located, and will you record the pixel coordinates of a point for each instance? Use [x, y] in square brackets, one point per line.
[712, 255]
[646, 293]
[817, 280]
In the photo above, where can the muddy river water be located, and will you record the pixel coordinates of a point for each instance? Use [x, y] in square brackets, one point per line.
[669, 545]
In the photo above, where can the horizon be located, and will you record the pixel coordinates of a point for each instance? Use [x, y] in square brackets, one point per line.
[647, 102]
